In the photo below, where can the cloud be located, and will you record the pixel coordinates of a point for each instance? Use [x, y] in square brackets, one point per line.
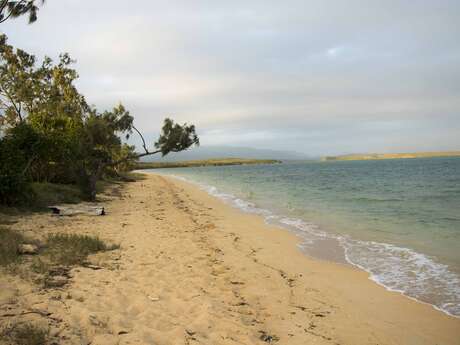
[323, 76]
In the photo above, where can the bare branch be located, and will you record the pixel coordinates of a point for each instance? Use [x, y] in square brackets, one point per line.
[144, 145]
[6, 18]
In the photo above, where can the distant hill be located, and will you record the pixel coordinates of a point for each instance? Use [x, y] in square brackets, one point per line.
[221, 152]
[370, 156]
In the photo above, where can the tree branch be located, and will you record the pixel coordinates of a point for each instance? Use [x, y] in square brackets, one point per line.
[6, 18]
[144, 145]
[20, 3]
[125, 159]
[11, 99]
[137, 156]
[3, 5]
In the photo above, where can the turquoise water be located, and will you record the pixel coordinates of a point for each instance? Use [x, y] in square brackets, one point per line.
[397, 219]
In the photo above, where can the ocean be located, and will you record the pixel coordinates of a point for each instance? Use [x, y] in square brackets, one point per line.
[397, 219]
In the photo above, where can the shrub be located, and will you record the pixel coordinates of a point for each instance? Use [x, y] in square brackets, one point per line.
[52, 194]
[27, 334]
[13, 183]
[17, 150]
[9, 246]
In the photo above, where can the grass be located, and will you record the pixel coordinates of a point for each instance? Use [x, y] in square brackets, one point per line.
[59, 249]
[39, 266]
[46, 194]
[9, 246]
[71, 249]
[27, 334]
[205, 162]
[51, 193]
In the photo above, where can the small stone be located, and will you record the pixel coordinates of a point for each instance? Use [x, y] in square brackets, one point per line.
[55, 331]
[28, 249]
[190, 332]
[56, 281]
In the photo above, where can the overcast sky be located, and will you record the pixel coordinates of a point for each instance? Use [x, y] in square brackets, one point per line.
[317, 77]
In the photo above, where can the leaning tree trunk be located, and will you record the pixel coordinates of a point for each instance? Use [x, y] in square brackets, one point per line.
[92, 187]
[88, 182]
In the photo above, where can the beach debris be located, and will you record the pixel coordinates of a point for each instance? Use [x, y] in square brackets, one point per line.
[268, 338]
[72, 210]
[28, 249]
[153, 298]
[321, 314]
[190, 332]
[93, 267]
[55, 210]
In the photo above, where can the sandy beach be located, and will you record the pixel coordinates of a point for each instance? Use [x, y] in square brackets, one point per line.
[193, 270]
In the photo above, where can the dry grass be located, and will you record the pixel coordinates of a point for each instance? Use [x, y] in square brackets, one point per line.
[9, 246]
[26, 334]
[71, 249]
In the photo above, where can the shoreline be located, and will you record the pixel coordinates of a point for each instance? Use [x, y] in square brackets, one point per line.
[272, 219]
[192, 269]
[283, 230]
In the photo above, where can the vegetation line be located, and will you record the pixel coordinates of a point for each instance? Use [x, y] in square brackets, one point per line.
[203, 163]
[371, 156]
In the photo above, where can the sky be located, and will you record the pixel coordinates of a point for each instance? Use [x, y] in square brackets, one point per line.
[317, 77]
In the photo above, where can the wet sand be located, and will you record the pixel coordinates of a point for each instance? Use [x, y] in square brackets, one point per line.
[193, 270]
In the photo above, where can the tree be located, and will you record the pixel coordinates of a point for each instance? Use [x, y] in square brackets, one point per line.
[18, 79]
[45, 97]
[102, 149]
[72, 142]
[17, 150]
[13, 9]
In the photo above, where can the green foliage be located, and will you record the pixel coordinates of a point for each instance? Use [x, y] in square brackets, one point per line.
[46, 194]
[9, 246]
[16, 154]
[45, 98]
[15, 8]
[70, 249]
[176, 138]
[18, 83]
[100, 146]
[48, 133]
[203, 163]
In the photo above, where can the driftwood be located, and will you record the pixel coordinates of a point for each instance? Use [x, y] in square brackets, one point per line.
[72, 210]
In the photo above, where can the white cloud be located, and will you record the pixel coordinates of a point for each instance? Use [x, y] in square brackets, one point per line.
[250, 71]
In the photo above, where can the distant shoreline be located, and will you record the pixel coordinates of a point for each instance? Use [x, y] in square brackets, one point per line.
[203, 163]
[380, 156]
